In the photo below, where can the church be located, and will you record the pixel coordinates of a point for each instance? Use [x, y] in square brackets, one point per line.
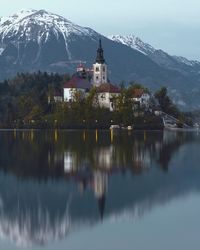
[100, 71]
[84, 80]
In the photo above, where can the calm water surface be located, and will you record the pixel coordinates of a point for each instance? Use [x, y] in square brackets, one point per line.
[99, 190]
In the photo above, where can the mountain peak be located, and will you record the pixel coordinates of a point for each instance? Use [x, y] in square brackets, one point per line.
[17, 16]
[41, 19]
[28, 14]
[39, 26]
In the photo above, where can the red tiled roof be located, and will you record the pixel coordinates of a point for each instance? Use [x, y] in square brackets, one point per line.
[137, 93]
[107, 87]
[77, 83]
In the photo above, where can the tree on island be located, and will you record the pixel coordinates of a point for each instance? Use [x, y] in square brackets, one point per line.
[27, 100]
[166, 103]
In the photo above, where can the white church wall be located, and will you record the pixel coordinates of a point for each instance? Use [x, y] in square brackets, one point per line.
[100, 73]
[105, 100]
[69, 93]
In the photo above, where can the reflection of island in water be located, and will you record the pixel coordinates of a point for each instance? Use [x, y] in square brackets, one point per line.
[52, 183]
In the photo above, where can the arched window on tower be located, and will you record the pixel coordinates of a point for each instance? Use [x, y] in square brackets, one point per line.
[97, 69]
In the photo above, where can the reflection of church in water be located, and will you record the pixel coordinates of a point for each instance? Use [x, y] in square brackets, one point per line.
[96, 180]
[56, 208]
[100, 189]
[91, 170]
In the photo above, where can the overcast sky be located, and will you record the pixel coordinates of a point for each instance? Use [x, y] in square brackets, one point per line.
[172, 25]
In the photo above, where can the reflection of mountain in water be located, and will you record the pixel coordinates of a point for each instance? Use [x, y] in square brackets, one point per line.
[74, 179]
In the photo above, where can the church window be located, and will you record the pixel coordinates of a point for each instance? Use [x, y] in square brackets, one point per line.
[104, 69]
[97, 77]
[97, 69]
[103, 97]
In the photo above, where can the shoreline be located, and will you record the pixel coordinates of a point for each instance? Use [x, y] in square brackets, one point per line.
[81, 129]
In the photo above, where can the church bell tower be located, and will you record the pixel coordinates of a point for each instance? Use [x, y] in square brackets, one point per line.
[100, 68]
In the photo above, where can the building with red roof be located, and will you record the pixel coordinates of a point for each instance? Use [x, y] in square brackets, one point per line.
[108, 88]
[141, 97]
[107, 94]
[79, 82]
[83, 81]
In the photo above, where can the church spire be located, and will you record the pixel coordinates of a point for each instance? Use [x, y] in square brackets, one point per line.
[100, 74]
[100, 57]
[101, 203]
[100, 46]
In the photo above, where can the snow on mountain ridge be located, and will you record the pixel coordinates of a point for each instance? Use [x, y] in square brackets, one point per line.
[186, 61]
[33, 25]
[133, 42]
[24, 17]
[16, 17]
[145, 48]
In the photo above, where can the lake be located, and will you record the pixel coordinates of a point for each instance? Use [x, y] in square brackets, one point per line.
[99, 190]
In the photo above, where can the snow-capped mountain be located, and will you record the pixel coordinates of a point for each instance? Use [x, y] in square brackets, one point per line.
[24, 22]
[133, 42]
[32, 40]
[32, 29]
[157, 55]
